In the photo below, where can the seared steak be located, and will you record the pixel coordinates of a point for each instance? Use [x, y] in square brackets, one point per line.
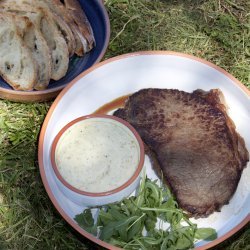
[194, 141]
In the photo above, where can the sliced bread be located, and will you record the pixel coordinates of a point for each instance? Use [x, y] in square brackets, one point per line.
[58, 47]
[75, 10]
[67, 33]
[35, 41]
[62, 25]
[83, 44]
[17, 65]
[45, 24]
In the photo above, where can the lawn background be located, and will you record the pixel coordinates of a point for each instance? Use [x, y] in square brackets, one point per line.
[215, 30]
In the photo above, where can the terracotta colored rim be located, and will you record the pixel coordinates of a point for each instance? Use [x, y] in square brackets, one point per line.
[64, 91]
[116, 190]
[48, 94]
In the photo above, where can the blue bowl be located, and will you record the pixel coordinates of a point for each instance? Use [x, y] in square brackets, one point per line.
[99, 21]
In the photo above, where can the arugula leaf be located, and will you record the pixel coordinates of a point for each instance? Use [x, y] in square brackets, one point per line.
[152, 194]
[205, 234]
[150, 222]
[154, 240]
[118, 227]
[185, 238]
[135, 230]
[124, 224]
[86, 221]
[108, 231]
[116, 213]
[140, 196]
[104, 218]
[117, 242]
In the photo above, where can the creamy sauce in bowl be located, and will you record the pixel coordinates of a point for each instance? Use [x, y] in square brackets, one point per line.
[97, 155]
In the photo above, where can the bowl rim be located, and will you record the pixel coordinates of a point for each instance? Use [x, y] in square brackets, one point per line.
[49, 94]
[53, 199]
[103, 117]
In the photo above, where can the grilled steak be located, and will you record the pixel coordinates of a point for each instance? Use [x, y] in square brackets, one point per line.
[194, 142]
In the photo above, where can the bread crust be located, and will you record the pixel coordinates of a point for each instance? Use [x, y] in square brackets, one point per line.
[81, 21]
[35, 41]
[62, 25]
[53, 31]
[44, 22]
[78, 23]
[20, 69]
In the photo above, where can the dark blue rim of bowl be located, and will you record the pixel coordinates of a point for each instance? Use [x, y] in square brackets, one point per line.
[99, 20]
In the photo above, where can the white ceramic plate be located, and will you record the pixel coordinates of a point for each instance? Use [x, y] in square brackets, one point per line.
[124, 75]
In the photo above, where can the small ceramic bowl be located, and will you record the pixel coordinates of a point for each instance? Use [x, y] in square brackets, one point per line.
[97, 159]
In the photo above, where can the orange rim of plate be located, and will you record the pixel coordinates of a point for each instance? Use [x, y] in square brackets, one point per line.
[64, 91]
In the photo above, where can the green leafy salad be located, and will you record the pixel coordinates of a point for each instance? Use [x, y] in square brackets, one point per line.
[149, 220]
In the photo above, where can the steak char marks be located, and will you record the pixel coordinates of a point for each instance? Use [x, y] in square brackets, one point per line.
[194, 142]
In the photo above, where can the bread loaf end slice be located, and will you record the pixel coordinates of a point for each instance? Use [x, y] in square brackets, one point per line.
[80, 19]
[17, 66]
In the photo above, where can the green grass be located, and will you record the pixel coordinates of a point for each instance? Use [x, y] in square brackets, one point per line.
[218, 31]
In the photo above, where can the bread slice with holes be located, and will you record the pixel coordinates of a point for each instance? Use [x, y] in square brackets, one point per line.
[58, 47]
[46, 25]
[80, 42]
[82, 30]
[61, 24]
[67, 33]
[17, 66]
[35, 41]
